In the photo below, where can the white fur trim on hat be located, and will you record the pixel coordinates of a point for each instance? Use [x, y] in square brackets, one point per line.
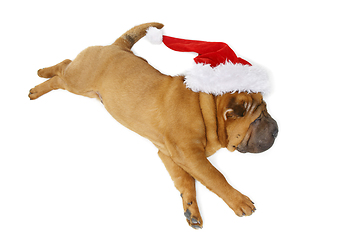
[154, 35]
[227, 77]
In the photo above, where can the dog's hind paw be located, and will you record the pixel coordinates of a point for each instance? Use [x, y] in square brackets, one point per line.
[33, 94]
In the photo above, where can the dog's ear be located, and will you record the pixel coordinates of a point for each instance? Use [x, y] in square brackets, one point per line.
[229, 113]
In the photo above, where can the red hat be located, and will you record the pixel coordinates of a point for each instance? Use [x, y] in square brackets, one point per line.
[217, 70]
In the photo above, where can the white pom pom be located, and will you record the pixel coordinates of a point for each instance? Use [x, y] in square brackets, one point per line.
[154, 35]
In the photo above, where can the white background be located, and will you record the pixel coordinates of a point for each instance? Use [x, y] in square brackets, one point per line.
[69, 171]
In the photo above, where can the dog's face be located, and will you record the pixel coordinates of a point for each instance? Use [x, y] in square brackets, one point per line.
[244, 123]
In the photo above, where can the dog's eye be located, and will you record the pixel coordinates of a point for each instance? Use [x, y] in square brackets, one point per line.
[240, 110]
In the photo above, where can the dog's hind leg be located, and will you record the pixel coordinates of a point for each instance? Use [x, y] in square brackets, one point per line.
[52, 84]
[56, 70]
[185, 183]
[55, 81]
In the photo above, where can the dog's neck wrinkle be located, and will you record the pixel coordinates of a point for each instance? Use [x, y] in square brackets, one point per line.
[209, 113]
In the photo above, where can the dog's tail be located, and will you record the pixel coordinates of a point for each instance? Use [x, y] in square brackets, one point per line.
[128, 39]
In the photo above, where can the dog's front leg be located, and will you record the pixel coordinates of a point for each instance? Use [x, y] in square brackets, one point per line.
[186, 186]
[197, 165]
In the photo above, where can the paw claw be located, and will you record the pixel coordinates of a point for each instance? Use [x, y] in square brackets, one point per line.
[187, 214]
[196, 227]
[193, 220]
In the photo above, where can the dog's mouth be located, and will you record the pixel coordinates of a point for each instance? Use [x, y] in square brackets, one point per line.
[260, 135]
[242, 147]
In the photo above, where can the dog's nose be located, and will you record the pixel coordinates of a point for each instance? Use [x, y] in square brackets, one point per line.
[275, 132]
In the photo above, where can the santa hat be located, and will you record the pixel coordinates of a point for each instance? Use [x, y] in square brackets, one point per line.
[217, 70]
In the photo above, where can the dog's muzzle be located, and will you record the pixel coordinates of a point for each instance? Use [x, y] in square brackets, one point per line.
[260, 135]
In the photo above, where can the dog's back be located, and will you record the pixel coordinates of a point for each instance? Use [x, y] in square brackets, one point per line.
[128, 86]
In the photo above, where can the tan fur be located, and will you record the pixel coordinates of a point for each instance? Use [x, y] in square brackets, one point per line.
[185, 126]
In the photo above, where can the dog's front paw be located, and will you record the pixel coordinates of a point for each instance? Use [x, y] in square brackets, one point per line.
[193, 221]
[191, 212]
[243, 206]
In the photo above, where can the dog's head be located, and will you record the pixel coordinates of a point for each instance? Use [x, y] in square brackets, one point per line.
[244, 123]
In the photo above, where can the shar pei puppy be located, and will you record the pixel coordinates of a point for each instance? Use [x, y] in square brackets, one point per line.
[186, 126]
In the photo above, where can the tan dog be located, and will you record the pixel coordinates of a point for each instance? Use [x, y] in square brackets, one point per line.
[185, 126]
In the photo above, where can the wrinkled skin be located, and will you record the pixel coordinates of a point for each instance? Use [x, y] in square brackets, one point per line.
[249, 127]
